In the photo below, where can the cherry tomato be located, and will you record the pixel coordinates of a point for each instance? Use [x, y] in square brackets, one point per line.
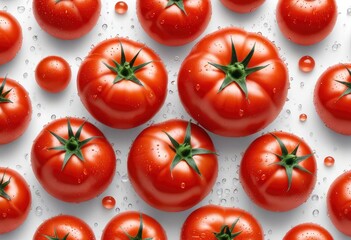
[15, 200]
[308, 231]
[306, 22]
[215, 223]
[10, 37]
[242, 6]
[15, 110]
[174, 22]
[172, 165]
[67, 19]
[233, 82]
[53, 74]
[73, 160]
[122, 83]
[278, 171]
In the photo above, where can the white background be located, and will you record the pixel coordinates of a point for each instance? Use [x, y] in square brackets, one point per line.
[227, 191]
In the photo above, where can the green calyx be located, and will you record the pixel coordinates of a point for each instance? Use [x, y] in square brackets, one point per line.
[184, 151]
[126, 70]
[226, 232]
[178, 3]
[3, 95]
[139, 235]
[290, 161]
[55, 237]
[72, 145]
[3, 185]
[236, 72]
[347, 84]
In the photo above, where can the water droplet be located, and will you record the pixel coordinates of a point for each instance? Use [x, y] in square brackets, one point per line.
[32, 48]
[306, 64]
[176, 58]
[329, 161]
[336, 46]
[315, 197]
[104, 26]
[4, 215]
[21, 9]
[78, 60]
[121, 7]
[38, 211]
[241, 112]
[25, 75]
[96, 224]
[303, 117]
[124, 178]
[315, 213]
[197, 87]
[349, 11]
[108, 202]
[287, 113]
[53, 117]
[263, 177]
[182, 185]
[35, 38]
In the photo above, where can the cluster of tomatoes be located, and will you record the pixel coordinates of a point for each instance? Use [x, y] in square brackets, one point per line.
[233, 83]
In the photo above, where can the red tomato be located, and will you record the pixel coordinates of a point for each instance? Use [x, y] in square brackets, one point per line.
[172, 165]
[339, 203]
[233, 82]
[174, 22]
[64, 227]
[332, 98]
[73, 160]
[306, 22]
[278, 171]
[133, 225]
[15, 200]
[53, 74]
[242, 6]
[15, 110]
[67, 19]
[10, 37]
[308, 231]
[214, 222]
[122, 83]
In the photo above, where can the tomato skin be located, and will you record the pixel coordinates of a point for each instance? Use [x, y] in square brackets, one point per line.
[306, 22]
[149, 162]
[334, 112]
[79, 180]
[308, 231]
[129, 222]
[16, 210]
[67, 20]
[53, 74]
[10, 37]
[16, 116]
[171, 26]
[64, 224]
[207, 220]
[242, 6]
[229, 113]
[124, 104]
[338, 203]
[267, 183]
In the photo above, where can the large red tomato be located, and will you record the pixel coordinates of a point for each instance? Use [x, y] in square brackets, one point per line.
[15, 110]
[242, 6]
[133, 225]
[278, 171]
[67, 19]
[122, 83]
[73, 160]
[339, 203]
[174, 22]
[332, 98]
[233, 82]
[308, 231]
[306, 22]
[15, 200]
[216, 223]
[10, 37]
[172, 165]
[64, 227]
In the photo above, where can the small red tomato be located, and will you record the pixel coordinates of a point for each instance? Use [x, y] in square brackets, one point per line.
[172, 165]
[53, 74]
[64, 227]
[242, 6]
[306, 22]
[73, 160]
[339, 203]
[215, 223]
[10, 37]
[15, 110]
[308, 231]
[332, 98]
[278, 171]
[133, 225]
[15, 200]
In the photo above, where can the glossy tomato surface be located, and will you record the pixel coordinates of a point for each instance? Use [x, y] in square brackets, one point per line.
[306, 22]
[332, 99]
[236, 110]
[175, 24]
[15, 200]
[15, 110]
[207, 221]
[89, 167]
[166, 186]
[67, 20]
[242, 6]
[308, 231]
[267, 183]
